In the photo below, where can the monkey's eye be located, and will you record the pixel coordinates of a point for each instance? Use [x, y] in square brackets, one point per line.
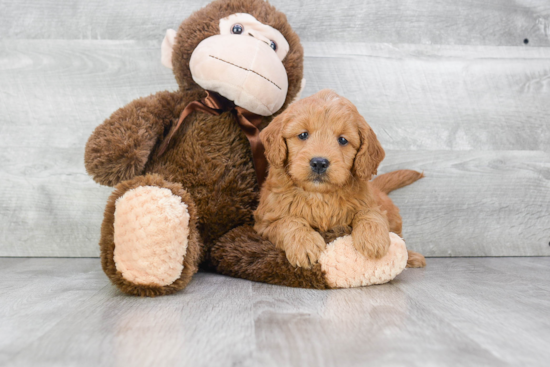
[273, 45]
[237, 29]
[342, 141]
[303, 136]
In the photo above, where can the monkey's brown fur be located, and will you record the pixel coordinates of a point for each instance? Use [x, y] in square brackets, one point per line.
[208, 162]
[243, 253]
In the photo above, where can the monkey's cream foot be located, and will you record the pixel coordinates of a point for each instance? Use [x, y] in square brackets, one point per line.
[345, 267]
[151, 230]
[150, 244]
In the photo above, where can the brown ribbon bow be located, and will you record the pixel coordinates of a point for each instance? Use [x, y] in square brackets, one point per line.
[215, 104]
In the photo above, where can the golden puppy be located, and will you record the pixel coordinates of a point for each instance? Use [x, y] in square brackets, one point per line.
[322, 154]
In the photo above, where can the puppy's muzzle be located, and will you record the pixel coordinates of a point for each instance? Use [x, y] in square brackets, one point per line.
[319, 165]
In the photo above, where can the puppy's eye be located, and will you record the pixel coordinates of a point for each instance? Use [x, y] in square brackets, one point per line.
[303, 136]
[273, 45]
[342, 141]
[237, 29]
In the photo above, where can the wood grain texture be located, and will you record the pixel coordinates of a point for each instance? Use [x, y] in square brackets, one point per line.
[38, 293]
[475, 203]
[415, 97]
[473, 22]
[54, 94]
[441, 101]
[455, 312]
[495, 297]
[441, 97]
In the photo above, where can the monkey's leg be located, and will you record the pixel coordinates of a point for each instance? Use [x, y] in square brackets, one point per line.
[149, 243]
[242, 253]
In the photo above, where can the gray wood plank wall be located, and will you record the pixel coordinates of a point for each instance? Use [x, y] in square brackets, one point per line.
[450, 88]
[466, 22]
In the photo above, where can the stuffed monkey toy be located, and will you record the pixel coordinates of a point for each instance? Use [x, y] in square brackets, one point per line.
[187, 165]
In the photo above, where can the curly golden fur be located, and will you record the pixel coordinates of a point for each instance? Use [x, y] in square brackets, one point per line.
[299, 200]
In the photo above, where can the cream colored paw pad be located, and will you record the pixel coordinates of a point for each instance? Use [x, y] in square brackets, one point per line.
[151, 234]
[345, 267]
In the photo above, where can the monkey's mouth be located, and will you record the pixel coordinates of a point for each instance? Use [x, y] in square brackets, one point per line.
[240, 67]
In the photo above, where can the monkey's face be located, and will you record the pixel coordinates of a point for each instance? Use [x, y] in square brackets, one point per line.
[244, 50]
[243, 63]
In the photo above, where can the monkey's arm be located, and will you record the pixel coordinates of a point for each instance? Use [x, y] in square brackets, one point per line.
[119, 148]
[371, 232]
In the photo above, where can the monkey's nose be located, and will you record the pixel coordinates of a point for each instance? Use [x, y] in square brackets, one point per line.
[319, 165]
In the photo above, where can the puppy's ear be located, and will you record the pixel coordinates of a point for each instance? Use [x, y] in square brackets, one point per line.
[370, 152]
[274, 143]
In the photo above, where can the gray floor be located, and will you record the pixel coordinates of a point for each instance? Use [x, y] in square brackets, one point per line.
[461, 311]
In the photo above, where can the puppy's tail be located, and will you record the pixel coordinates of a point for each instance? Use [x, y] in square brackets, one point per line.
[395, 180]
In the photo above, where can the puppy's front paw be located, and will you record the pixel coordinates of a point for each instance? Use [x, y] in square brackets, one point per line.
[370, 241]
[305, 249]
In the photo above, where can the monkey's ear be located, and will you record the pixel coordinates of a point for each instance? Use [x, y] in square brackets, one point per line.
[167, 48]
[274, 143]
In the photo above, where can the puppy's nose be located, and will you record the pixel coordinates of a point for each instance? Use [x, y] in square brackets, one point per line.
[319, 164]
